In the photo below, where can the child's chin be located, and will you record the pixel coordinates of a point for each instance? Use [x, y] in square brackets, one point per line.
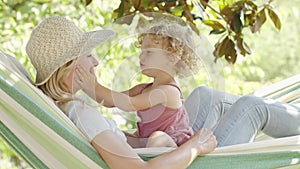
[147, 73]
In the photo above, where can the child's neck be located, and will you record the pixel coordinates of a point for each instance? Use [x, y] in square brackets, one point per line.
[163, 80]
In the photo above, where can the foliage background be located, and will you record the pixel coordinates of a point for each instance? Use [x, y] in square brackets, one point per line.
[275, 53]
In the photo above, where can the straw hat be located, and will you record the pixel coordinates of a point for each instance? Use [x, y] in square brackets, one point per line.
[56, 41]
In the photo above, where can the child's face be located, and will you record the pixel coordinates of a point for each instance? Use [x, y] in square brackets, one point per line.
[154, 58]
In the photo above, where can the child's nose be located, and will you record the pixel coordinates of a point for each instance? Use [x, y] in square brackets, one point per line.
[141, 56]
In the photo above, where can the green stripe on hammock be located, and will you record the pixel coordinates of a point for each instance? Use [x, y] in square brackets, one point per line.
[20, 148]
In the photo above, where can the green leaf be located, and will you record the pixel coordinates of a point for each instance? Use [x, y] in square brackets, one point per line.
[275, 19]
[250, 5]
[87, 2]
[230, 54]
[260, 20]
[177, 9]
[136, 3]
[242, 47]
[42, 1]
[121, 9]
[237, 23]
[148, 3]
[228, 12]
[223, 4]
[226, 48]
[217, 31]
[204, 3]
[218, 47]
[219, 50]
[214, 24]
[166, 1]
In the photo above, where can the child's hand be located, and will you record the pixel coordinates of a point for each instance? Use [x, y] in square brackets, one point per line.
[86, 80]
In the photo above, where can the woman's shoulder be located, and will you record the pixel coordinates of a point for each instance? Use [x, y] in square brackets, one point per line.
[88, 118]
[78, 103]
[76, 100]
[79, 110]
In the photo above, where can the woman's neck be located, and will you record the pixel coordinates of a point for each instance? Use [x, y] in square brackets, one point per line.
[69, 87]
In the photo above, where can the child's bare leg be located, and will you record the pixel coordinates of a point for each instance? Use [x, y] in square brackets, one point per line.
[160, 139]
[134, 142]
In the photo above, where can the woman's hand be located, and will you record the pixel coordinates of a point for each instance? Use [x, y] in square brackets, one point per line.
[86, 80]
[205, 140]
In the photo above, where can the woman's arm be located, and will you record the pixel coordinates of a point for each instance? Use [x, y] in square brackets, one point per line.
[118, 154]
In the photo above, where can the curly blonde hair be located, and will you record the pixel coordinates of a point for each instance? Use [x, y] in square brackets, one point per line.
[180, 43]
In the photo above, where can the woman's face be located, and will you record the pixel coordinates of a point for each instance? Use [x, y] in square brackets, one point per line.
[88, 63]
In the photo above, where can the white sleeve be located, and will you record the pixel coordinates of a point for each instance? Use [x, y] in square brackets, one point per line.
[89, 121]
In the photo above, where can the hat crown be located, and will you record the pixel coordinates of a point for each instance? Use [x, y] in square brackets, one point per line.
[52, 39]
[56, 41]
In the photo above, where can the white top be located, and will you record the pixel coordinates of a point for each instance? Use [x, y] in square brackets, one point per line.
[88, 119]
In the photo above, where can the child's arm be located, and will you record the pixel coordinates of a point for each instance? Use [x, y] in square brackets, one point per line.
[88, 82]
[131, 92]
[135, 90]
[164, 94]
[131, 103]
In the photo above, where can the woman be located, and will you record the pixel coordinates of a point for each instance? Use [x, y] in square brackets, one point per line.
[56, 47]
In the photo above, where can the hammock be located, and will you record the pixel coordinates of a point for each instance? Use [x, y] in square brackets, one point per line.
[45, 138]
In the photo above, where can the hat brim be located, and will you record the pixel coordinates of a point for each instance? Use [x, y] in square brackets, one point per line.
[89, 41]
[93, 39]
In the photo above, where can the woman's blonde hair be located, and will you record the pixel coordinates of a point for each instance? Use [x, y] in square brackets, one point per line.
[55, 88]
[180, 44]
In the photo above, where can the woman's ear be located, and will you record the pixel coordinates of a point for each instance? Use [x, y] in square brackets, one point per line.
[174, 59]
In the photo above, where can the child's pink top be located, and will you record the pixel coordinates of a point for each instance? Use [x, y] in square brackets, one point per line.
[174, 122]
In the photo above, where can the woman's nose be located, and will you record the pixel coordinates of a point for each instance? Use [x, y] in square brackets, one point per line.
[95, 62]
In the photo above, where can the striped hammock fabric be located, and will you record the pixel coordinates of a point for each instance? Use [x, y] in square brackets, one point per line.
[39, 132]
